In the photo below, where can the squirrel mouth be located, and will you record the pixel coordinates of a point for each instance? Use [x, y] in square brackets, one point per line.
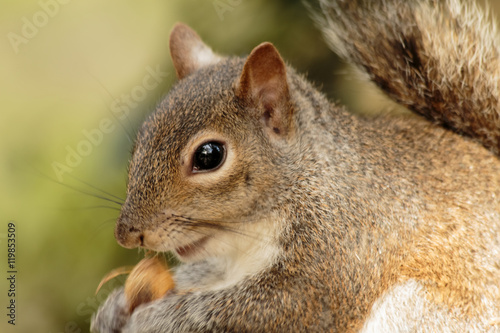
[190, 249]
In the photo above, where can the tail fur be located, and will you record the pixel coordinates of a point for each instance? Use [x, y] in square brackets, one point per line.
[439, 58]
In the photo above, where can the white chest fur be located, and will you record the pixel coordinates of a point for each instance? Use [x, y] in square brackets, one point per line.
[405, 308]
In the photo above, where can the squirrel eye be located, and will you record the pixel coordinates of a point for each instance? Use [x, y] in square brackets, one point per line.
[209, 156]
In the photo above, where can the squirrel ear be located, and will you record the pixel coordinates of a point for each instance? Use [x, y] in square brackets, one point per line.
[188, 51]
[263, 84]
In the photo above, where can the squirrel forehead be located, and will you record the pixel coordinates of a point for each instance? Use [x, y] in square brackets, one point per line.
[198, 101]
[196, 95]
[205, 84]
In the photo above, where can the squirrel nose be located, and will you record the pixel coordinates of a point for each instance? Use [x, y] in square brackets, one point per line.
[126, 234]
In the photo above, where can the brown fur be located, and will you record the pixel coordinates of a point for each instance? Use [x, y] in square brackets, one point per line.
[342, 216]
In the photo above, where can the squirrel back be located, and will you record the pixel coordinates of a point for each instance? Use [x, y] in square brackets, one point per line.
[291, 214]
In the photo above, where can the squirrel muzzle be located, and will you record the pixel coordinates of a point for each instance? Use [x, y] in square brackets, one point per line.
[126, 234]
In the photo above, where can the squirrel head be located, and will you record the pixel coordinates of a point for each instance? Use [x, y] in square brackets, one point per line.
[209, 160]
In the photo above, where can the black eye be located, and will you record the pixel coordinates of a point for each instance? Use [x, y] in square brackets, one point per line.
[208, 156]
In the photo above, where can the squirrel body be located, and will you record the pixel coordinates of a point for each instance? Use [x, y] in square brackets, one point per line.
[311, 218]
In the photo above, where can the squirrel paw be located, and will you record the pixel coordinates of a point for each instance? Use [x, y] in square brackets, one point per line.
[112, 315]
[162, 315]
[151, 317]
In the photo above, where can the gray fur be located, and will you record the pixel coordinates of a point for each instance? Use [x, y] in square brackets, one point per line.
[376, 221]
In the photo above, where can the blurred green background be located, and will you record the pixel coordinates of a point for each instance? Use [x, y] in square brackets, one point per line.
[72, 97]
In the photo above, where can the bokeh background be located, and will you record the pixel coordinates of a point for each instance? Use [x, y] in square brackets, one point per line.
[71, 83]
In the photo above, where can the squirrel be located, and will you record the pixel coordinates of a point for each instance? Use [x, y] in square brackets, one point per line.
[290, 214]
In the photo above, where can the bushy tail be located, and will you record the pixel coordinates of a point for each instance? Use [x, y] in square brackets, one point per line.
[439, 58]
